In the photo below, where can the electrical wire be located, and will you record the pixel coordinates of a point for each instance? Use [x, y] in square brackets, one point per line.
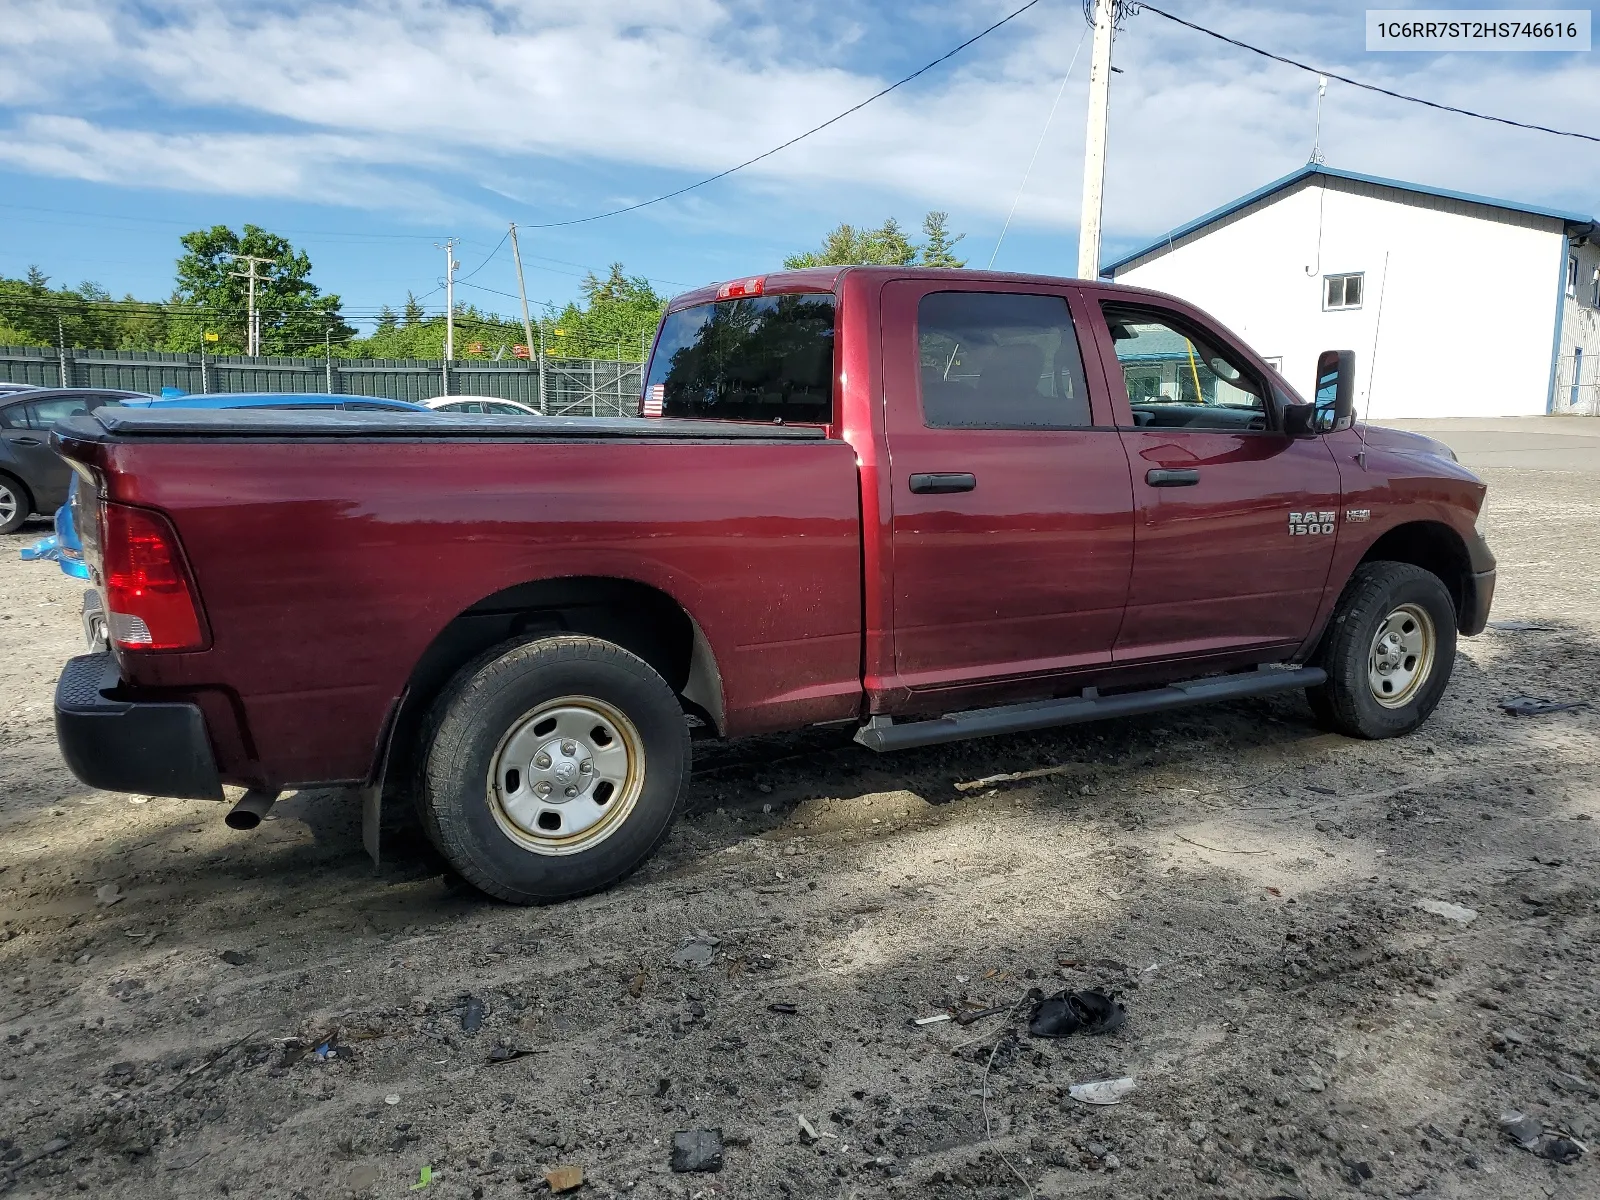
[617, 212]
[1370, 87]
[1037, 146]
[488, 259]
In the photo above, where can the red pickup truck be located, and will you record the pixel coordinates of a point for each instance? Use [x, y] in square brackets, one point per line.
[929, 504]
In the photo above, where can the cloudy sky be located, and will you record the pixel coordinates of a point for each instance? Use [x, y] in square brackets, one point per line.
[368, 130]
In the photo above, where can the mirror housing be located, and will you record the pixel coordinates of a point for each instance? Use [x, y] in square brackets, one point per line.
[1335, 390]
[1300, 420]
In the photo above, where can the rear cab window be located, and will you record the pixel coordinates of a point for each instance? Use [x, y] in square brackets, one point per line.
[759, 358]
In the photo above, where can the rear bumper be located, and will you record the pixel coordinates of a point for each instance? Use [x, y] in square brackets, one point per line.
[1475, 613]
[158, 748]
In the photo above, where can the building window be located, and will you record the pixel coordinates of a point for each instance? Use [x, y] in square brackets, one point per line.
[1572, 276]
[1342, 291]
[1594, 289]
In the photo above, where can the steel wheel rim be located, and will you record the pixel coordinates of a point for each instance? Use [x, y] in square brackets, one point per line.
[8, 504]
[566, 775]
[1401, 658]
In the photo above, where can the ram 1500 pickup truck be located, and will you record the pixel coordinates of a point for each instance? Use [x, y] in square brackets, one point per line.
[928, 504]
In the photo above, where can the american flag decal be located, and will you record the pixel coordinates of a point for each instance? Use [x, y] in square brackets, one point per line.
[654, 399]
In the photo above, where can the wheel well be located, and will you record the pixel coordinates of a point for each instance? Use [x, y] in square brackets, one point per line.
[1434, 547]
[639, 618]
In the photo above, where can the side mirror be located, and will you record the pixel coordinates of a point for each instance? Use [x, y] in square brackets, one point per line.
[1300, 420]
[1336, 390]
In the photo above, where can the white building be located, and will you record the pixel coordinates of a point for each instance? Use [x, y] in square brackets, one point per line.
[1456, 305]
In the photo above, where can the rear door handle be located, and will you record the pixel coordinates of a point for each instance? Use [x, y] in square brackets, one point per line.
[1171, 477]
[27, 441]
[936, 483]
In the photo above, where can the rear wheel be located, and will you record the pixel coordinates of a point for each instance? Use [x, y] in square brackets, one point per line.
[15, 504]
[554, 768]
[1389, 652]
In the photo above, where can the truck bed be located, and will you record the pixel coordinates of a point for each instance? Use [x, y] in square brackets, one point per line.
[331, 550]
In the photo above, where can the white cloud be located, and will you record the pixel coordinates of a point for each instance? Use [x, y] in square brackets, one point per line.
[372, 104]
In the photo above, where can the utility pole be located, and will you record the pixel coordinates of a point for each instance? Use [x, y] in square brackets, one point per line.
[527, 324]
[253, 333]
[451, 266]
[1316, 158]
[1094, 145]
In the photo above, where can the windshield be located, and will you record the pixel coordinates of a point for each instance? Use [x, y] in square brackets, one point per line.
[765, 358]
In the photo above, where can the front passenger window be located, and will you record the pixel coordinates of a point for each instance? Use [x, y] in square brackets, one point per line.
[1178, 380]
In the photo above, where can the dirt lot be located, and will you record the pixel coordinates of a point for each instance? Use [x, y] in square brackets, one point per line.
[1297, 1026]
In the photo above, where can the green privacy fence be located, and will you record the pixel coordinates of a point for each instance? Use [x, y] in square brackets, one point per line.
[559, 386]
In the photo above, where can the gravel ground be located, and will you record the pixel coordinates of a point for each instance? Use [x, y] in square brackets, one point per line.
[1297, 1026]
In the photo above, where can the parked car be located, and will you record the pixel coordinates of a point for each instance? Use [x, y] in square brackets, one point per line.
[8, 388]
[64, 548]
[33, 478]
[922, 503]
[481, 404]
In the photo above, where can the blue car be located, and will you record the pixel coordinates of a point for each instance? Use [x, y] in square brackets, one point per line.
[64, 548]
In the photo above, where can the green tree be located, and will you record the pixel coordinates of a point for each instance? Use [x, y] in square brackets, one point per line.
[887, 245]
[35, 314]
[295, 315]
[937, 251]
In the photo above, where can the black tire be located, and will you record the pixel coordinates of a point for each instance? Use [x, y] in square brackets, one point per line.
[1348, 703]
[487, 704]
[22, 499]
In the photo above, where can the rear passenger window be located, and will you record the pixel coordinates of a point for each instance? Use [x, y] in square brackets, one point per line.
[995, 360]
[45, 413]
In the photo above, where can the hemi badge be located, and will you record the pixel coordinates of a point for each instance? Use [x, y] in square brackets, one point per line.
[1357, 514]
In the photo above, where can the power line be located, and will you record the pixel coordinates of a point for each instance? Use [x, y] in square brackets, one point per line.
[617, 212]
[487, 259]
[1370, 87]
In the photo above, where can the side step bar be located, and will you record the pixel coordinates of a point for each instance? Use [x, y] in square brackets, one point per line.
[883, 733]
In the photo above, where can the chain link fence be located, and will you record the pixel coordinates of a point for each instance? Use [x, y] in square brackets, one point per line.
[593, 387]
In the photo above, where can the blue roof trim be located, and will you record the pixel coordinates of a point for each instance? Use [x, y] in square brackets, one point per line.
[1310, 169]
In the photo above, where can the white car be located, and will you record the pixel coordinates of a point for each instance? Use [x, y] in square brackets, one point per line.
[481, 404]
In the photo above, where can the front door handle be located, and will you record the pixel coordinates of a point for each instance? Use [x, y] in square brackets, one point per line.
[27, 441]
[936, 483]
[1172, 477]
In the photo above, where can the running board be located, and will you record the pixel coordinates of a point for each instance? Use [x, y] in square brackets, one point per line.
[883, 733]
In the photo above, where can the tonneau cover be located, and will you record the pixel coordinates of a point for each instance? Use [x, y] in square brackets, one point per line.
[301, 424]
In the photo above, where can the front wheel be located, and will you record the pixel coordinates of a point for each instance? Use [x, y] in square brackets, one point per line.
[555, 768]
[1388, 652]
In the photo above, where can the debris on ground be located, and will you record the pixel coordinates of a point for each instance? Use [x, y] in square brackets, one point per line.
[696, 952]
[1534, 706]
[697, 1150]
[1068, 1012]
[391, 1098]
[933, 1019]
[1450, 912]
[1522, 626]
[787, 1010]
[1532, 1135]
[505, 1052]
[53, 1146]
[234, 958]
[108, 894]
[564, 1177]
[472, 1015]
[1102, 1091]
[1017, 777]
[968, 1016]
[424, 1177]
[809, 1134]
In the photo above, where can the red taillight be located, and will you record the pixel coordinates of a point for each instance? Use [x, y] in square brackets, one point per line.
[742, 287]
[150, 600]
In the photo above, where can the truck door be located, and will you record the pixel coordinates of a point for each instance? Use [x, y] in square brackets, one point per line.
[1011, 503]
[1233, 519]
